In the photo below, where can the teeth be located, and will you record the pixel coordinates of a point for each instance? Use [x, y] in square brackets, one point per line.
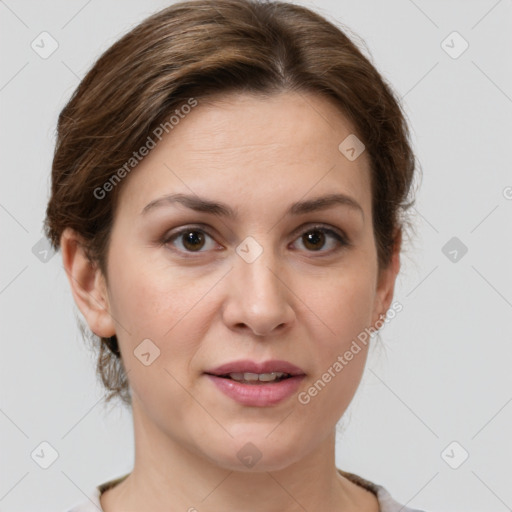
[266, 377]
[253, 377]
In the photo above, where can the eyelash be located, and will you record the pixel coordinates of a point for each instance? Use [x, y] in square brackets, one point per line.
[341, 238]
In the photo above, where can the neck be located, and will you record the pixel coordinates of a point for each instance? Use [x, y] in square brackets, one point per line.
[167, 473]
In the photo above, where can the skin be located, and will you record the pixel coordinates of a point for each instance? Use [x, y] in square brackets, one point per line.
[306, 306]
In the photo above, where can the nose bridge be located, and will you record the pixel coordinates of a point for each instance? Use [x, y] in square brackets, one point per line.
[256, 267]
[259, 298]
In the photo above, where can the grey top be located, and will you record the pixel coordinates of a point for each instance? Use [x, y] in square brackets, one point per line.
[386, 502]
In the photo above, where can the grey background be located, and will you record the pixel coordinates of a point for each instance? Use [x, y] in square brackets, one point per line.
[443, 373]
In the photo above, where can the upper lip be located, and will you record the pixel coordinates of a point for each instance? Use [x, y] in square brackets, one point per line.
[248, 366]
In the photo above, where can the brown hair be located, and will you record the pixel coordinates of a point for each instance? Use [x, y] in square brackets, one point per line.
[200, 48]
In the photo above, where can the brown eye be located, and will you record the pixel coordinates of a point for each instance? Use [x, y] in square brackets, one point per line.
[192, 240]
[314, 239]
[189, 240]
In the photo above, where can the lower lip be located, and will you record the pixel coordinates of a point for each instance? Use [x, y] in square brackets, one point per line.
[258, 395]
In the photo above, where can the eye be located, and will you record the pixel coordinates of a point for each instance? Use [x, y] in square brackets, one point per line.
[315, 238]
[192, 239]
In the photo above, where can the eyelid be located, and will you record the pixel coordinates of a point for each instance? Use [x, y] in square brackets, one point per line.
[172, 235]
[327, 228]
[336, 233]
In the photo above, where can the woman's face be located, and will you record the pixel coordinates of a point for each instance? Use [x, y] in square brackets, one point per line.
[263, 284]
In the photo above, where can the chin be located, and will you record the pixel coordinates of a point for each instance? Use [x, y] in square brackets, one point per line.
[257, 451]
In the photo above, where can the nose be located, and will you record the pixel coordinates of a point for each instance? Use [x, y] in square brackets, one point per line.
[258, 298]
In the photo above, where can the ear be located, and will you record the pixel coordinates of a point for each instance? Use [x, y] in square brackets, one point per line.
[88, 285]
[386, 281]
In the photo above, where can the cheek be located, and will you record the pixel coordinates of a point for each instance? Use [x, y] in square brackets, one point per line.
[162, 306]
[151, 301]
[340, 351]
[344, 307]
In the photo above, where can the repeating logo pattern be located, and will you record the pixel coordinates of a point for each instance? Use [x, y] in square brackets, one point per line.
[463, 42]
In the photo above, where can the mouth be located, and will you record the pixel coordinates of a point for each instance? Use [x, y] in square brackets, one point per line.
[257, 384]
[255, 378]
[252, 372]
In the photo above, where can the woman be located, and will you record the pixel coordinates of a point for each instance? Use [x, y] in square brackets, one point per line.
[229, 191]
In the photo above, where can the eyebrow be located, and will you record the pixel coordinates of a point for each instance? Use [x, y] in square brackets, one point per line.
[200, 204]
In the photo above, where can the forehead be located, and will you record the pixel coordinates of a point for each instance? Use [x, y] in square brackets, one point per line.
[252, 149]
